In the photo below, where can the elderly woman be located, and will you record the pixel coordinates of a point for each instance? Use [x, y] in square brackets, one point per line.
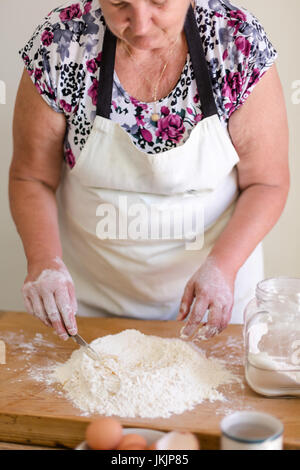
[134, 108]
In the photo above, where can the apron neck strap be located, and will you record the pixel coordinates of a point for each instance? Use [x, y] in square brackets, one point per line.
[200, 66]
[106, 76]
[198, 58]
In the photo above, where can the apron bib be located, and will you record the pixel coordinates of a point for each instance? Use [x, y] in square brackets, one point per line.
[136, 226]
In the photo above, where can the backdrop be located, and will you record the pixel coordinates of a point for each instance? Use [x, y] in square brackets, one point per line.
[18, 21]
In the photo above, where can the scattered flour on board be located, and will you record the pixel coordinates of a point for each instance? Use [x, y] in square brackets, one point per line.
[238, 400]
[24, 349]
[21, 344]
[158, 376]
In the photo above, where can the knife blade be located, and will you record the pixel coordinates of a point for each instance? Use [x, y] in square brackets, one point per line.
[89, 350]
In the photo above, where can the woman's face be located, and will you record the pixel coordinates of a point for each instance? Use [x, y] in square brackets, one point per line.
[145, 24]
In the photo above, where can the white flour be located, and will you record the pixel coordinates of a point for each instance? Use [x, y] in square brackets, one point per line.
[22, 346]
[272, 374]
[158, 376]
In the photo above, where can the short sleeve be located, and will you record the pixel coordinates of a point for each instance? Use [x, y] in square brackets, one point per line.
[41, 60]
[247, 55]
[261, 58]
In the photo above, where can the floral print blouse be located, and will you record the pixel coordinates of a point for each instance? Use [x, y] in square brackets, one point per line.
[63, 58]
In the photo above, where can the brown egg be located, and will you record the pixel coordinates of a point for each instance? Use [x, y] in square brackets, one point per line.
[152, 446]
[132, 440]
[134, 447]
[104, 433]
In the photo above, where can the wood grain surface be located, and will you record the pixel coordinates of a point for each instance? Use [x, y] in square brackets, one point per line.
[13, 446]
[36, 413]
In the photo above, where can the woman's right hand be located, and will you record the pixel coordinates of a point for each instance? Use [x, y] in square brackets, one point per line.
[49, 294]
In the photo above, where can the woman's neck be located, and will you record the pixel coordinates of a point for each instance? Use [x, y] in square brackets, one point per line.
[143, 55]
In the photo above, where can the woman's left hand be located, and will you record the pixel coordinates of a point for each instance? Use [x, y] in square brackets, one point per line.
[209, 288]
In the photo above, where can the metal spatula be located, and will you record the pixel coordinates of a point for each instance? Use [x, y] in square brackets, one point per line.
[89, 350]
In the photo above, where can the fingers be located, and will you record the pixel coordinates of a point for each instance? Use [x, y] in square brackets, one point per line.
[227, 311]
[28, 305]
[197, 313]
[52, 299]
[29, 309]
[54, 315]
[73, 299]
[218, 319]
[214, 319]
[186, 301]
[33, 303]
[64, 305]
[209, 288]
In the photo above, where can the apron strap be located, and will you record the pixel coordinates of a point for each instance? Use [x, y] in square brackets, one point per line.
[106, 74]
[204, 86]
[200, 67]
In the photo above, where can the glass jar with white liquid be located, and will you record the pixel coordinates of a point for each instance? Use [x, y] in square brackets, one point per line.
[272, 338]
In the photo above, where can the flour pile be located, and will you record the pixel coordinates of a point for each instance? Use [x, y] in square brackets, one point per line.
[157, 376]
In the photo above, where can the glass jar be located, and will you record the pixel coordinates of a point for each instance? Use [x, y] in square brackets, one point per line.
[272, 338]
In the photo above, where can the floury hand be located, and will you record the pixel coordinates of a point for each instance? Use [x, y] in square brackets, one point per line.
[209, 289]
[50, 296]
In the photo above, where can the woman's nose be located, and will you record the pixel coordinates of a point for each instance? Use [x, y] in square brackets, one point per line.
[140, 21]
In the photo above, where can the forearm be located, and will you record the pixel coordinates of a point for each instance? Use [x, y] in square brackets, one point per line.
[34, 211]
[257, 211]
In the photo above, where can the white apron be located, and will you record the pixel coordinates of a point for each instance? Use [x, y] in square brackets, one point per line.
[142, 274]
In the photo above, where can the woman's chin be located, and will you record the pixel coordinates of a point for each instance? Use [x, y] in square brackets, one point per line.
[144, 43]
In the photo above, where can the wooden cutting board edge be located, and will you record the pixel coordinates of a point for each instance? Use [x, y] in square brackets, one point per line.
[41, 430]
[66, 432]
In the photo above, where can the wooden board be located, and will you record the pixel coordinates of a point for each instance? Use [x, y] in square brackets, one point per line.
[36, 413]
[13, 446]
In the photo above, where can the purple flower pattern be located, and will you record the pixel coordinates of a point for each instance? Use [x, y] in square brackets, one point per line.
[171, 128]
